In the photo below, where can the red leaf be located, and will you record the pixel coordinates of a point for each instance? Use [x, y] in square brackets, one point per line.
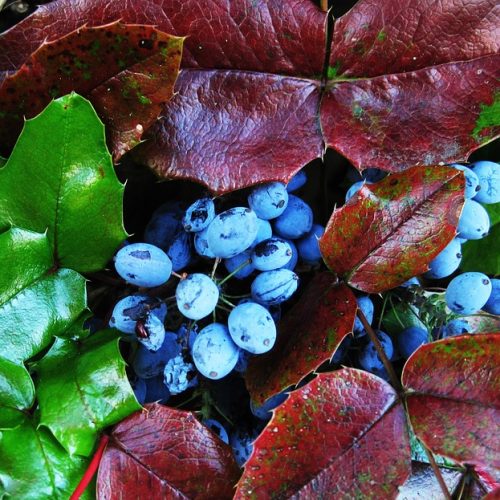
[456, 406]
[127, 71]
[165, 453]
[309, 335]
[390, 231]
[264, 57]
[342, 435]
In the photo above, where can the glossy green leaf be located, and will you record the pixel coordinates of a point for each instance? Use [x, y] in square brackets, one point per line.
[399, 317]
[60, 178]
[34, 466]
[17, 393]
[92, 390]
[482, 255]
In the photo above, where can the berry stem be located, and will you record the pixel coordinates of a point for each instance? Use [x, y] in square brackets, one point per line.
[380, 350]
[227, 302]
[437, 472]
[216, 265]
[91, 469]
[239, 268]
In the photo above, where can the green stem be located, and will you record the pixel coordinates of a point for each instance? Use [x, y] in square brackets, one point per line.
[239, 268]
[227, 302]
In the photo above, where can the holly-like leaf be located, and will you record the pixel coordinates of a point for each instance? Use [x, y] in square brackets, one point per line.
[17, 393]
[33, 465]
[92, 390]
[342, 435]
[481, 323]
[250, 107]
[128, 72]
[455, 406]
[482, 255]
[308, 336]
[391, 230]
[165, 453]
[60, 179]
[36, 302]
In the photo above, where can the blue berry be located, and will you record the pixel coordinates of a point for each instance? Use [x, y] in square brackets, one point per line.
[308, 246]
[271, 254]
[367, 308]
[264, 412]
[274, 287]
[296, 221]
[471, 180]
[132, 308]
[197, 295]
[493, 304]
[214, 352]
[180, 251]
[242, 445]
[411, 282]
[368, 357]
[264, 232]
[456, 327]
[268, 200]
[156, 390]
[252, 328]
[139, 387]
[217, 428]
[178, 375]
[372, 175]
[292, 263]
[155, 331]
[237, 261]
[341, 350]
[488, 174]
[186, 336]
[243, 360]
[297, 181]
[467, 293]
[165, 223]
[199, 215]
[446, 262]
[147, 364]
[201, 244]
[354, 189]
[410, 339]
[474, 222]
[143, 265]
[232, 232]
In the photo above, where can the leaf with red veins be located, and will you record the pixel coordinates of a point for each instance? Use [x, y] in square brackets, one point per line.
[422, 117]
[230, 124]
[343, 435]
[309, 335]
[381, 37]
[390, 231]
[165, 453]
[455, 407]
[127, 71]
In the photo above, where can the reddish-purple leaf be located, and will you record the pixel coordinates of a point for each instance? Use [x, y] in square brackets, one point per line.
[255, 115]
[391, 230]
[165, 453]
[455, 407]
[308, 336]
[343, 435]
[127, 71]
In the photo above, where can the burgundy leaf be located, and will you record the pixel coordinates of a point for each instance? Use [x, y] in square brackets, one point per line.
[391, 230]
[455, 407]
[127, 71]
[308, 336]
[434, 68]
[343, 435]
[165, 453]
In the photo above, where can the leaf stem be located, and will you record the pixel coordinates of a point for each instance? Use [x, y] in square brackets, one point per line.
[437, 471]
[380, 350]
[91, 469]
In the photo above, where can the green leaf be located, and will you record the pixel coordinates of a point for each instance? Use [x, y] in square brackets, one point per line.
[482, 255]
[60, 178]
[17, 393]
[92, 390]
[34, 466]
[401, 316]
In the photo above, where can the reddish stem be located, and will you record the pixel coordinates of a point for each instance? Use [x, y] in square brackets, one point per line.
[91, 469]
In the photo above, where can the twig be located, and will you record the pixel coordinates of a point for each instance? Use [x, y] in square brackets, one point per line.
[324, 5]
[216, 265]
[380, 350]
[91, 469]
[437, 471]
